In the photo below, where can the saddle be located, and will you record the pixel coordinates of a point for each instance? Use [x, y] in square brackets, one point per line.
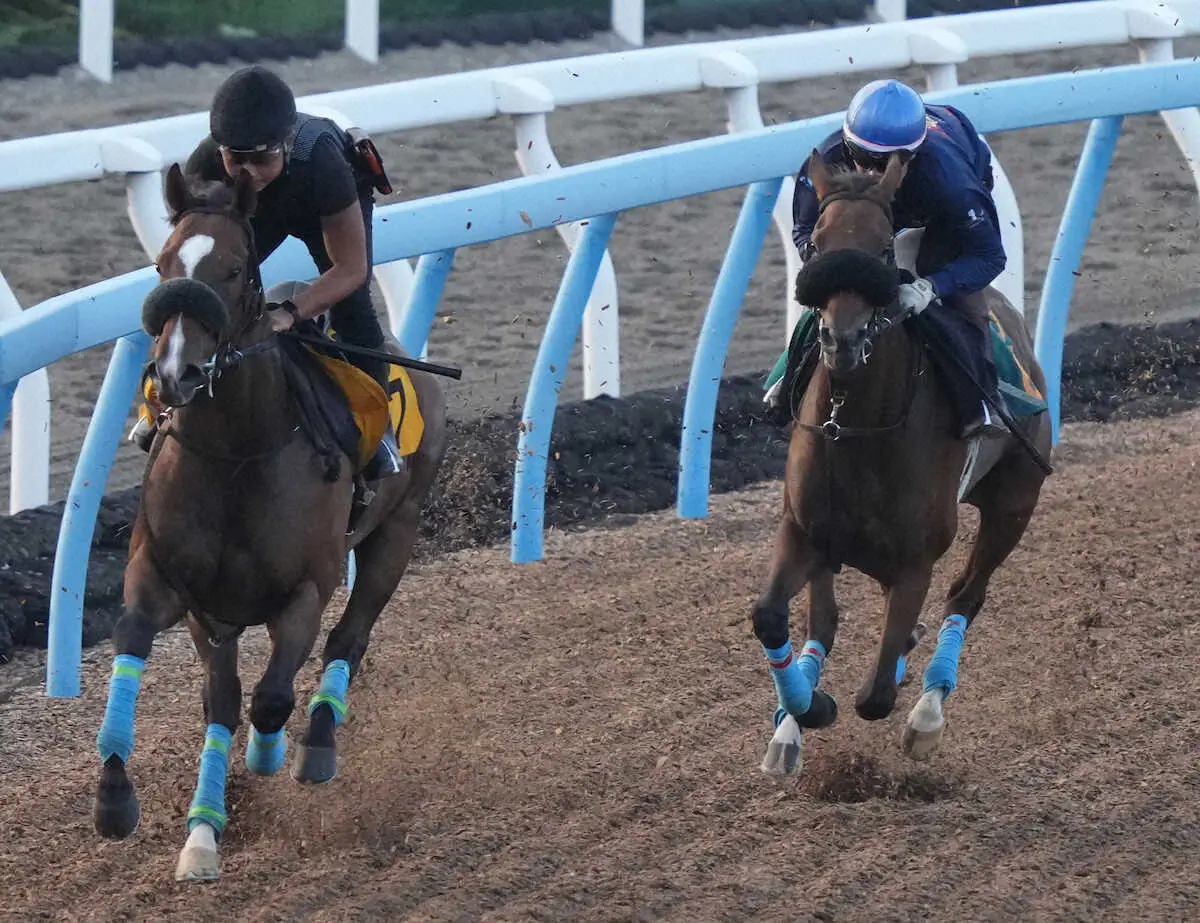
[1023, 397]
[344, 410]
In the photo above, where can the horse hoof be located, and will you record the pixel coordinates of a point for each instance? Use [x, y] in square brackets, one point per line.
[199, 861]
[923, 732]
[921, 745]
[117, 812]
[783, 752]
[314, 764]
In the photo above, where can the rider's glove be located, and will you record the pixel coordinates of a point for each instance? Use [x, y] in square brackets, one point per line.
[916, 296]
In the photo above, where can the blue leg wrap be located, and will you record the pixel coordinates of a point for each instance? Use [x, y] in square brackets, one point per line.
[901, 666]
[332, 692]
[942, 672]
[208, 804]
[265, 752]
[116, 732]
[796, 678]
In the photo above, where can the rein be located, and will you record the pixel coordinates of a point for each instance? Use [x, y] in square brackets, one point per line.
[881, 322]
[228, 356]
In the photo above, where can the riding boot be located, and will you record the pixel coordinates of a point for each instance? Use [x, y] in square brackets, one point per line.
[987, 422]
[781, 382]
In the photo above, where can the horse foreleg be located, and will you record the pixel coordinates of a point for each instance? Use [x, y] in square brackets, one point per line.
[222, 709]
[905, 597]
[793, 565]
[381, 560]
[1004, 512]
[151, 606]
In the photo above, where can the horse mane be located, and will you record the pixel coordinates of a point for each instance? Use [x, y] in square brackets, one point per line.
[843, 178]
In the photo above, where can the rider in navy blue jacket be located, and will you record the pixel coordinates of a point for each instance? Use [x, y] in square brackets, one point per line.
[947, 190]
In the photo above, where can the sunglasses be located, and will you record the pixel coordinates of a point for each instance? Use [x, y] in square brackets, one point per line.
[257, 158]
[869, 160]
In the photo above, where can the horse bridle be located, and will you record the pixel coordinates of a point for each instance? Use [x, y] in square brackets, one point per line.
[227, 355]
[882, 320]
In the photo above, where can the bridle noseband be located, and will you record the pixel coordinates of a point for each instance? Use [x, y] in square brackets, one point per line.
[883, 319]
[228, 355]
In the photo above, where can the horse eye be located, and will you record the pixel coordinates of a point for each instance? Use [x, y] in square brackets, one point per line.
[235, 272]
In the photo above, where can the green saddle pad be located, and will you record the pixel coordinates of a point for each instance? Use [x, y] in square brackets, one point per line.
[1021, 394]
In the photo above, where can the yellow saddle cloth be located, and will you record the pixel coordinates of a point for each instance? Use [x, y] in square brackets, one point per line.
[370, 408]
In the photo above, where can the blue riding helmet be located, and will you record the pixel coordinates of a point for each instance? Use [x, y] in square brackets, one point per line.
[885, 116]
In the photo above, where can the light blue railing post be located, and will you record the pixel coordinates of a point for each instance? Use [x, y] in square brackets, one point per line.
[541, 400]
[1086, 188]
[6, 399]
[79, 515]
[432, 270]
[700, 404]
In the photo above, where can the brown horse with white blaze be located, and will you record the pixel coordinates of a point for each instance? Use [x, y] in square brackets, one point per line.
[243, 522]
[873, 477]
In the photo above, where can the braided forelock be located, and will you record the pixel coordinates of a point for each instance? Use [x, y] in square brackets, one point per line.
[188, 297]
[846, 271]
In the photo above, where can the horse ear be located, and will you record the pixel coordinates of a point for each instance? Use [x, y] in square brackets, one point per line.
[818, 173]
[245, 198]
[890, 181]
[178, 195]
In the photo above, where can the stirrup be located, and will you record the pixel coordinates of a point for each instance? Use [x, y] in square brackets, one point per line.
[387, 461]
[986, 425]
[363, 495]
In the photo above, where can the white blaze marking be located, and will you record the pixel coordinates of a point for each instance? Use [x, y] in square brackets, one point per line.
[193, 250]
[169, 367]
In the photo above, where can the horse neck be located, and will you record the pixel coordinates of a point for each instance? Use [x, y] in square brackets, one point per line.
[248, 411]
[876, 393]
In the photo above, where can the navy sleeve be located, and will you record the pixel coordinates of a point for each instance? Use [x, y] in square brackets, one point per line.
[804, 208]
[970, 217]
[333, 185]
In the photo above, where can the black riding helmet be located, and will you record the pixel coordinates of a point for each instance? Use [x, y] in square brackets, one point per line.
[252, 110]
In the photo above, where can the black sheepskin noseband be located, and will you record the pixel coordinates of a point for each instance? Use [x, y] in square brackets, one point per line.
[189, 297]
[846, 271]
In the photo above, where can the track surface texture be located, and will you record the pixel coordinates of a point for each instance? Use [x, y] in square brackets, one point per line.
[579, 740]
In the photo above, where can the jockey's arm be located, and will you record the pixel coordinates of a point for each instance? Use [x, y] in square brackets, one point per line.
[804, 209]
[345, 239]
[982, 258]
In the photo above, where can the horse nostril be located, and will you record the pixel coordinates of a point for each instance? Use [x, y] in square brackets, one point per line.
[192, 379]
[828, 339]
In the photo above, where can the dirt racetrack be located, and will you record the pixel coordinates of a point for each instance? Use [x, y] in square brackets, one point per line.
[579, 739]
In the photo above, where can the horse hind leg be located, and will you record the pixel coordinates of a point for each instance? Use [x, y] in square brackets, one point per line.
[381, 558]
[206, 817]
[1006, 500]
[901, 633]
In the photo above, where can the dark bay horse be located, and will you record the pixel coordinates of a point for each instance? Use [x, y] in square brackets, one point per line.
[873, 479]
[242, 523]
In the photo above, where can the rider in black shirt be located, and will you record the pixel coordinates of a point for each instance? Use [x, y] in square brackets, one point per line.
[310, 187]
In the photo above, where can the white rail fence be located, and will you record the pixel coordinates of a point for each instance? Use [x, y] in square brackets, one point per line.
[528, 92]
[97, 20]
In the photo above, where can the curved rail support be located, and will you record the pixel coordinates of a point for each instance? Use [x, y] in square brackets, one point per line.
[545, 382]
[528, 102]
[30, 402]
[700, 406]
[69, 578]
